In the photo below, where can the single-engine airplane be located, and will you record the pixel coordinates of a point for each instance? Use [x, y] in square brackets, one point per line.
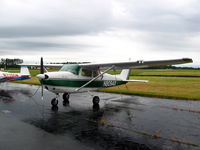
[23, 75]
[72, 78]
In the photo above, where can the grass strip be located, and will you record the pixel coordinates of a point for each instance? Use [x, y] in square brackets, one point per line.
[163, 87]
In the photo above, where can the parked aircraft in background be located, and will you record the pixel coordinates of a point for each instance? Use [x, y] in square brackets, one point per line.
[73, 78]
[23, 75]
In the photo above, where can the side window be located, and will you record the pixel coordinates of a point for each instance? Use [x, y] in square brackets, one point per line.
[86, 72]
[89, 73]
[95, 73]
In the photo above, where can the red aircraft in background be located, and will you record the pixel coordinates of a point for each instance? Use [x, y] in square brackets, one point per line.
[23, 75]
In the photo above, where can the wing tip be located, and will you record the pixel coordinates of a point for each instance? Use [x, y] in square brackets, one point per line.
[189, 60]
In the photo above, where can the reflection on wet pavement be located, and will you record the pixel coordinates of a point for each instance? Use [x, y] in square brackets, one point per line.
[118, 122]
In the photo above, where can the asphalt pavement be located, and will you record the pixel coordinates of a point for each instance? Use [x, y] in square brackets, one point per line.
[119, 122]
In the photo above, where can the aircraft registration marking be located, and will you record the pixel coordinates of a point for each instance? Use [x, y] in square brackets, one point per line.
[10, 75]
[109, 83]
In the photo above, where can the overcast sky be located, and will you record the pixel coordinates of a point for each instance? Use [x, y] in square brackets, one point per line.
[100, 30]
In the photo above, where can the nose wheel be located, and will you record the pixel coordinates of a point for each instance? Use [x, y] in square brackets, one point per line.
[54, 102]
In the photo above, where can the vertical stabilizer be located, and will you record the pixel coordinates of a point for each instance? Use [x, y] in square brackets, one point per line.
[124, 74]
[24, 71]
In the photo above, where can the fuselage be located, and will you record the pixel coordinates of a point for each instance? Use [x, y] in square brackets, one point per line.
[69, 80]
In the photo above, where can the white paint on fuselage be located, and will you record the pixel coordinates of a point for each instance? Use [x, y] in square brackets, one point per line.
[71, 76]
[63, 89]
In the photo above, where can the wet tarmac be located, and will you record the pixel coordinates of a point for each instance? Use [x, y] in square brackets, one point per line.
[119, 122]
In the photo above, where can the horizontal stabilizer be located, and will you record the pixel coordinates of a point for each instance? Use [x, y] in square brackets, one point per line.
[145, 81]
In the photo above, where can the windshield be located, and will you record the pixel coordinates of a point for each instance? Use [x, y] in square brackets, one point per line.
[71, 68]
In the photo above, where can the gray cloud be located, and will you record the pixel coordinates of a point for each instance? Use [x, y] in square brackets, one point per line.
[165, 25]
[162, 16]
[168, 25]
[171, 42]
[29, 45]
[53, 18]
[20, 46]
[52, 30]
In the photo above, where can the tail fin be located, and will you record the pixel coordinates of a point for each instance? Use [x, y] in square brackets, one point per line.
[124, 74]
[24, 71]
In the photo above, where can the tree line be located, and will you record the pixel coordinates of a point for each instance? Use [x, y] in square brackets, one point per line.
[171, 67]
[10, 63]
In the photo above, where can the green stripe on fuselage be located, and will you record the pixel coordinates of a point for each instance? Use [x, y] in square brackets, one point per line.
[79, 83]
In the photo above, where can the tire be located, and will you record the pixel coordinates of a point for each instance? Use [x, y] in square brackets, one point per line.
[65, 102]
[54, 102]
[66, 96]
[96, 107]
[54, 108]
[96, 100]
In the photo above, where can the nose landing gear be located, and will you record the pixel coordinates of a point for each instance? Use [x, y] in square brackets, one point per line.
[54, 102]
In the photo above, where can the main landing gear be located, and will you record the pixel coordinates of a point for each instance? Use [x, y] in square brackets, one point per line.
[54, 101]
[65, 99]
[95, 100]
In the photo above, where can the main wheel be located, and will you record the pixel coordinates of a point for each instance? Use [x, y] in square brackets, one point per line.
[54, 108]
[54, 102]
[96, 100]
[66, 96]
[65, 102]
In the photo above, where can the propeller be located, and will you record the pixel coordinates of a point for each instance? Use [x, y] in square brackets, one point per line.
[42, 76]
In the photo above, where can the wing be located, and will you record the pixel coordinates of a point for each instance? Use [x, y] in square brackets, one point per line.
[122, 65]
[45, 65]
[137, 64]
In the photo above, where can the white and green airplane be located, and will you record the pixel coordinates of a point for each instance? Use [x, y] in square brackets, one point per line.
[73, 78]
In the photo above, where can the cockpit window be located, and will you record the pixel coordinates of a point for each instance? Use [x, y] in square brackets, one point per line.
[71, 68]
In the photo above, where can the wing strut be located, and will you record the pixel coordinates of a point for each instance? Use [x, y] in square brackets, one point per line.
[94, 78]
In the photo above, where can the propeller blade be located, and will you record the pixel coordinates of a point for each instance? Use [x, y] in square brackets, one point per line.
[41, 81]
[41, 66]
